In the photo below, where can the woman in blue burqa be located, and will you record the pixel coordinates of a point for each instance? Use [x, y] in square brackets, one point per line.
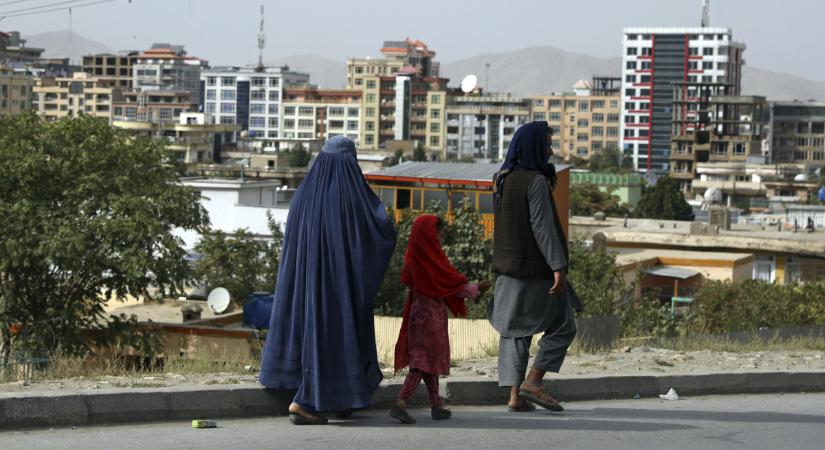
[337, 245]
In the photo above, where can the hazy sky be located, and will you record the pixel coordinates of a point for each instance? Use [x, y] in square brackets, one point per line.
[785, 35]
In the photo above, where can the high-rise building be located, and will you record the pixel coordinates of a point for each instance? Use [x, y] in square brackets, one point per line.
[13, 50]
[797, 132]
[396, 54]
[16, 87]
[168, 67]
[310, 113]
[584, 121]
[115, 67]
[80, 94]
[653, 59]
[481, 125]
[250, 97]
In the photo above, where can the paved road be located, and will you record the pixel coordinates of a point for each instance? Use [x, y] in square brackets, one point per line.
[781, 422]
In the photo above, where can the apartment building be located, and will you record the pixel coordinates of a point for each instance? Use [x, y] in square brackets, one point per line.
[709, 126]
[250, 97]
[754, 185]
[480, 126]
[16, 87]
[796, 132]
[310, 113]
[13, 49]
[653, 59]
[155, 106]
[406, 106]
[80, 94]
[111, 66]
[192, 137]
[167, 67]
[584, 121]
[396, 54]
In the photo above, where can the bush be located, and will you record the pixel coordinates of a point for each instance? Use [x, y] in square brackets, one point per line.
[597, 280]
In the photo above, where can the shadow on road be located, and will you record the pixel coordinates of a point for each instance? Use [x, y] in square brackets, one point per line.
[716, 416]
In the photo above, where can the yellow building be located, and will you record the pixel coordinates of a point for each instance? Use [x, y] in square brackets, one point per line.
[15, 91]
[193, 138]
[585, 121]
[311, 114]
[396, 54]
[57, 98]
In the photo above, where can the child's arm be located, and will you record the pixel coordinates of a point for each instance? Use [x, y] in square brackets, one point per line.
[473, 291]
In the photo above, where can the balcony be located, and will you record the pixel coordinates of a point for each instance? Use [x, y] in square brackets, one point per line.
[729, 187]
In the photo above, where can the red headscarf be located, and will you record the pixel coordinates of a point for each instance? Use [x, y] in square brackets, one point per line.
[428, 272]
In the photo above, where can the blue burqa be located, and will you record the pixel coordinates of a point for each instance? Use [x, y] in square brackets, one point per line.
[337, 245]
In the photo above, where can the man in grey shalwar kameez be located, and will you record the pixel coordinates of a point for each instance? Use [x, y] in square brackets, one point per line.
[530, 256]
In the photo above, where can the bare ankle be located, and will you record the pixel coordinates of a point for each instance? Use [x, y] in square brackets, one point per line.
[401, 404]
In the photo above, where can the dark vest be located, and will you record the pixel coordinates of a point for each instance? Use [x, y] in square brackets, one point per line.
[515, 252]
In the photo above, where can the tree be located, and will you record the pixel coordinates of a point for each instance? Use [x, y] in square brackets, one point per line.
[597, 279]
[663, 201]
[587, 199]
[395, 159]
[419, 154]
[238, 262]
[275, 248]
[88, 215]
[391, 294]
[299, 157]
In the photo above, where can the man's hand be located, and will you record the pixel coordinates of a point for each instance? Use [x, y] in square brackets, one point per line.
[558, 283]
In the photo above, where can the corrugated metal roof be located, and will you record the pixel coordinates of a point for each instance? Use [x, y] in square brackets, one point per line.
[445, 171]
[671, 272]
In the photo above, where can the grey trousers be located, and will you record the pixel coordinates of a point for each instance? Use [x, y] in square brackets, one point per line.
[514, 353]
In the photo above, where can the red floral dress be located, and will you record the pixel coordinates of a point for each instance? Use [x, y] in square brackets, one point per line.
[428, 336]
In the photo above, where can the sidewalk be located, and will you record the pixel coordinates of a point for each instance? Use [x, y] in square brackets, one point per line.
[33, 408]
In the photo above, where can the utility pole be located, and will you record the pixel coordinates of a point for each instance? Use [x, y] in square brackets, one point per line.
[705, 13]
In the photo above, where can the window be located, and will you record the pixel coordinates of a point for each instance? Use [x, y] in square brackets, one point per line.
[289, 110]
[257, 108]
[273, 122]
[227, 120]
[273, 96]
[257, 94]
[435, 127]
[630, 78]
[274, 82]
[581, 137]
[539, 116]
[555, 103]
[644, 79]
[273, 108]
[582, 123]
[352, 112]
[694, 51]
[370, 98]
[210, 107]
[630, 92]
[370, 112]
[371, 84]
[435, 113]
[211, 81]
[707, 65]
[211, 94]
[227, 94]
[629, 119]
[435, 100]
[644, 133]
[305, 111]
[597, 132]
[632, 37]
[631, 51]
[289, 123]
[555, 117]
[336, 111]
[258, 81]
[630, 65]
[227, 108]
[370, 126]
[434, 141]
[612, 118]
[647, 51]
[583, 106]
[629, 133]
[305, 123]
[596, 146]
[538, 102]
[336, 124]
[707, 51]
[646, 65]
[257, 122]
[693, 65]
[644, 92]
[569, 104]
[369, 139]
[226, 81]
[597, 104]
[352, 125]
[612, 132]
[644, 119]
[614, 104]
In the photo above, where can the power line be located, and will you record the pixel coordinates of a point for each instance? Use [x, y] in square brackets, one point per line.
[14, 2]
[63, 8]
[32, 8]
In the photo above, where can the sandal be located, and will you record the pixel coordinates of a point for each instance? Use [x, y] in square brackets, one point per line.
[402, 415]
[541, 397]
[346, 414]
[299, 419]
[523, 406]
[440, 413]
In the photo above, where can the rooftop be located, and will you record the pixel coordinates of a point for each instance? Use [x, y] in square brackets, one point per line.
[480, 174]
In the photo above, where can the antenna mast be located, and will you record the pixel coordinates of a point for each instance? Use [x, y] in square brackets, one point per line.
[261, 42]
[705, 13]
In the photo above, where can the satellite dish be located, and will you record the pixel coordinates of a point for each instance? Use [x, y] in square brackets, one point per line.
[713, 195]
[469, 83]
[801, 178]
[218, 300]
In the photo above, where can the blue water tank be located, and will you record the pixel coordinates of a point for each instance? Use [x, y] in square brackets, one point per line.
[822, 194]
[258, 309]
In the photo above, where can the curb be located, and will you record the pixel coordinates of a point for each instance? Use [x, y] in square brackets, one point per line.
[187, 403]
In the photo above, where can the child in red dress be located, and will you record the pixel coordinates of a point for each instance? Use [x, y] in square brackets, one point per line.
[434, 286]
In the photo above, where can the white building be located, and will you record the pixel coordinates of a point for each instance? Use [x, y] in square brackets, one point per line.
[249, 98]
[168, 68]
[237, 203]
[652, 60]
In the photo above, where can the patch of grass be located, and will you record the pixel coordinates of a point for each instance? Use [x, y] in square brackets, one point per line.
[755, 344]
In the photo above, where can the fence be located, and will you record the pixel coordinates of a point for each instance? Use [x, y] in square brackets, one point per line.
[468, 338]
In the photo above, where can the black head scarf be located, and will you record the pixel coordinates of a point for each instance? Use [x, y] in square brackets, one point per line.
[529, 150]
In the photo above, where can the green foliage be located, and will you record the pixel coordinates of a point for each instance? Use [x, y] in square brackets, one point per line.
[88, 214]
[299, 157]
[470, 253]
[391, 295]
[663, 201]
[598, 281]
[239, 262]
[393, 160]
[419, 154]
[275, 249]
[587, 199]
